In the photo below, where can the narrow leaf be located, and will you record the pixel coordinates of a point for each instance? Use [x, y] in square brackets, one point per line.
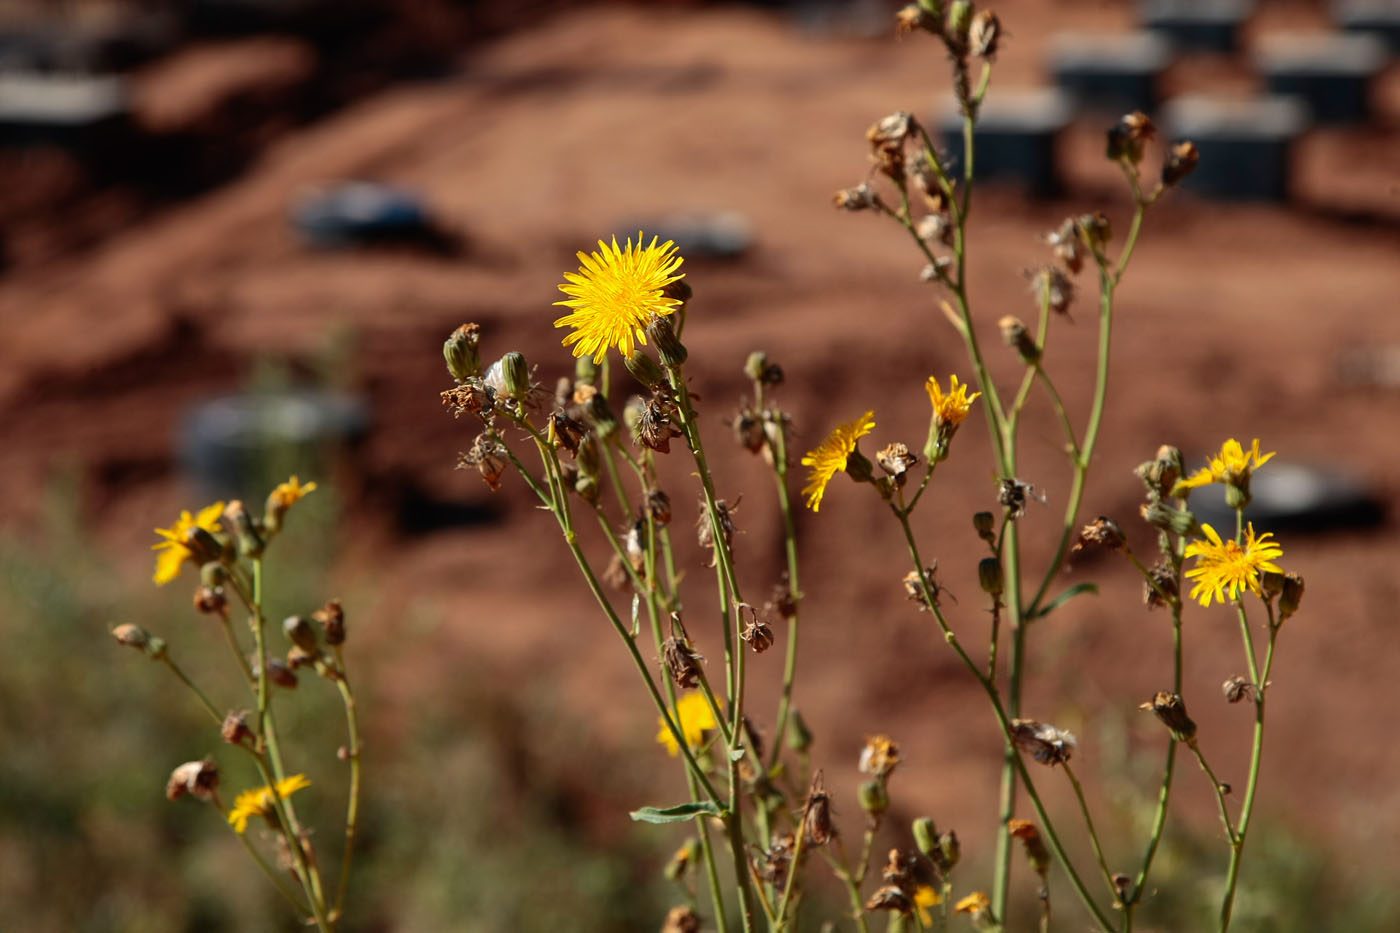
[1066, 596]
[677, 814]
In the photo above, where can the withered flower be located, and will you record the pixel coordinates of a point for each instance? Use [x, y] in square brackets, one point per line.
[892, 131]
[488, 455]
[1171, 710]
[1042, 741]
[896, 459]
[1036, 853]
[879, 756]
[659, 506]
[197, 778]
[914, 591]
[1102, 532]
[985, 35]
[1128, 136]
[331, 617]
[900, 870]
[565, 431]
[860, 198]
[758, 635]
[1236, 689]
[1164, 577]
[1066, 246]
[704, 528]
[235, 729]
[1052, 285]
[682, 662]
[1181, 161]
[1016, 335]
[210, 600]
[772, 865]
[890, 897]
[816, 814]
[1094, 229]
[748, 430]
[471, 397]
[912, 17]
[655, 427]
[783, 601]
[1012, 493]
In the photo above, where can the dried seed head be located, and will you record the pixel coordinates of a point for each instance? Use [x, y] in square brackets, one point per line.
[659, 506]
[654, 428]
[772, 865]
[1094, 230]
[1129, 135]
[1011, 493]
[892, 131]
[1102, 532]
[300, 633]
[1036, 853]
[460, 352]
[488, 456]
[985, 35]
[564, 431]
[1052, 285]
[331, 618]
[912, 17]
[879, 756]
[1162, 589]
[890, 897]
[1291, 597]
[923, 171]
[235, 729]
[896, 460]
[277, 672]
[758, 635]
[749, 431]
[197, 778]
[724, 517]
[1015, 334]
[1236, 689]
[860, 198]
[935, 228]
[1181, 161]
[298, 657]
[682, 662]
[681, 920]
[134, 636]
[1042, 741]
[1066, 245]
[615, 574]
[816, 814]
[210, 600]
[783, 601]
[930, 587]
[471, 397]
[1171, 710]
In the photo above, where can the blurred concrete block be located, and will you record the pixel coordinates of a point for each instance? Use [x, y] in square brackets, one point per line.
[1110, 73]
[1014, 137]
[1197, 25]
[236, 444]
[1294, 498]
[1245, 144]
[720, 235]
[66, 110]
[1331, 73]
[364, 213]
[1378, 17]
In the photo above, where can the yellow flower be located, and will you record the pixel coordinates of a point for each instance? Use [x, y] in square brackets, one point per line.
[924, 898]
[953, 407]
[831, 455]
[1233, 467]
[262, 802]
[694, 717]
[977, 903]
[614, 294]
[1223, 566]
[173, 552]
[289, 493]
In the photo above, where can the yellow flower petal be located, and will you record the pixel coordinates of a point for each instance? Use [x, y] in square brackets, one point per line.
[694, 716]
[830, 456]
[615, 293]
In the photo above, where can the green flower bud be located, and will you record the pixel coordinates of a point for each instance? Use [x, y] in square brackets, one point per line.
[645, 370]
[991, 576]
[950, 847]
[213, 574]
[460, 352]
[959, 21]
[799, 737]
[926, 836]
[874, 798]
[245, 531]
[668, 346]
[516, 374]
[585, 371]
[985, 523]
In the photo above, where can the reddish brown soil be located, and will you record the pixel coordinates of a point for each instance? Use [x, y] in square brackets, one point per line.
[1229, 324]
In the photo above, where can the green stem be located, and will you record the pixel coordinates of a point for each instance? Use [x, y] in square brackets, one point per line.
[203, 700]
[1218, 788]
[1089, 825]
[303, 912]
[794, 590]
[352, 807]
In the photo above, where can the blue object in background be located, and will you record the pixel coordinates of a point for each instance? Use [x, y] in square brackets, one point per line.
[356, 213]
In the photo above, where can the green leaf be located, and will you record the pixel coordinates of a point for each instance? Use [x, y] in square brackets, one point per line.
[677, 814]
[636, 622]
[1065, 597]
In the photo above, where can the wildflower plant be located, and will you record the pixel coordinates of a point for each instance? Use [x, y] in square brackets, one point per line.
[760, 819]
[225, 546]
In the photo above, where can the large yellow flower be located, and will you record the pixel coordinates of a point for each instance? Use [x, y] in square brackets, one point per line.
[614, 294]
[1232, 466]
[953, 407]
[694, 716]
[263, 800]
[173, 552]
[831, 455]
[1226, 567]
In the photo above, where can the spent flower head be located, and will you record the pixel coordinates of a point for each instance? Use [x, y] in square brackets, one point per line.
[263, 800]
[615, 293]
[832, 456]
[1227, 567]
[174, 551]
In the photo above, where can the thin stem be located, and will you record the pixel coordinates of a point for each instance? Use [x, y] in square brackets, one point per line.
[779, 452]
[203, 700]
[303, 912]
[842, 871]
[1089, 825]
[1219, 790]
[352, 807]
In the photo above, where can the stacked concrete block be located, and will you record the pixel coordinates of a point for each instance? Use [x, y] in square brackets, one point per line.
[1110, 73]
[74, 111]
[1014, 138]
[1197, 25]
[1332, 73]
[1245, 144]
[1377, 17]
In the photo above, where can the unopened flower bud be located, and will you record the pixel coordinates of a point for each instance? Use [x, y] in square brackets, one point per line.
[1171, 710]
[1160, 474]
[1181, 161]
[990, 576]
[245, 531]
[1270, 583]
[950, 848]
[596, 411]
[197, 778]
[959, 23]
[1178, 521]
[926, 836]
[202, 545]
[799, 737]
[874, 798]
[679, 290]
[1015, 334]
[645, 370]
[133, 636]
[460, 351]
[985, 524]
[300, 633]
[515, 375]
[859, 468]
[985, 35]
[588, 489]
[1292, 595]
[668, 346]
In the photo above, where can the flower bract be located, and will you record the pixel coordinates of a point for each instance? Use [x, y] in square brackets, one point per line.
[173, 552]
[1228, 568]
[694, 716]
[262, 801]
[831, 455]
[615, 293]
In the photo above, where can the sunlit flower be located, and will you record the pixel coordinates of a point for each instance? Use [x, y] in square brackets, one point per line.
[263, 801]
[290, 493]
[977, 903]
[1226, 567]
[173, 552]
[1232, 466]
[694, 716]
[831, 456]
[950, 408]
[924, 898]
[615, 292]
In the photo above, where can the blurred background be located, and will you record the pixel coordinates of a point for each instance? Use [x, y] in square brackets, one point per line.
[234, 233]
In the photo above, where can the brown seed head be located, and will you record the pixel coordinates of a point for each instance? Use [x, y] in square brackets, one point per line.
[198, 778]
[704, 528]
[471, 397]
[655, 427]
[985, 35]
[913, 17]
[1181, 161]
[1042, 741]
[860, 198]
[816, 814]
[1036, 853]
[1236, 689]
[1066, 246]
[1102, 532]
[1129, 135]
[890, 897]
[235, 728]
[659, 506]
[1015, 334]
[1171, 710]
[681, 920]
[896, 460]
[331, 617]
[1052, 285]
[210, 600]
[682, 662]
[748, 431]
[488, 456]
[1158, 596]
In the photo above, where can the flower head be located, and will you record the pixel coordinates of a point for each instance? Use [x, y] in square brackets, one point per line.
[615, 292]
[924, 898]
[262, 801]
[1231, 466]
[831, 456]
[173, 550]
[977, 904]
[694, 716]
[1227, 567]
[291, 492]
[950, 408]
